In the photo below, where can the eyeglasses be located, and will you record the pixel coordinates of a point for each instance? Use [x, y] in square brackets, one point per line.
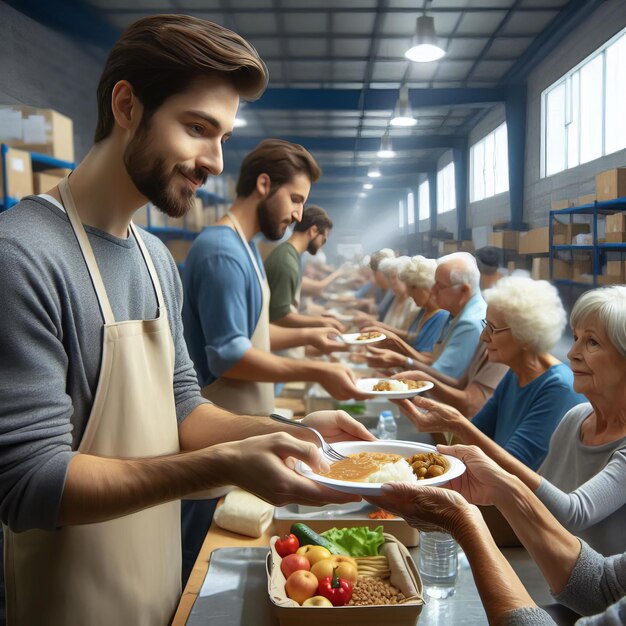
[489, 329]
[441, 287]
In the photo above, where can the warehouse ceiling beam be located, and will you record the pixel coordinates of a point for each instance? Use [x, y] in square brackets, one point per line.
[375, 99]
[344, 173]
[364, 144]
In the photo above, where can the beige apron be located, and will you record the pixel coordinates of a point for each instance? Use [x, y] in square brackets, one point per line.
[246, 396]
[124, 572]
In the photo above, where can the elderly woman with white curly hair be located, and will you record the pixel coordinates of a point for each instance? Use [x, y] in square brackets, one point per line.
[402, 310]
[418, 341]
[525, 318]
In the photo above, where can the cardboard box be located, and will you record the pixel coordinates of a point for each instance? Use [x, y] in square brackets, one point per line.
[616, 223]
[179, 248]
[570, 230]
[43, 182]
[615, 238]
[41, 130]
[19, 174]
[447, 247]
[558, 205]
[541, 269]
[608, 279]
[506, 239]
[404, 576]
[535, 241]
[615, 268]
[611, 184]
[583, 239]
[590, 198]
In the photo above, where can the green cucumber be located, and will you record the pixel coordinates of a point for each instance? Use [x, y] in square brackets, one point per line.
[308, 537]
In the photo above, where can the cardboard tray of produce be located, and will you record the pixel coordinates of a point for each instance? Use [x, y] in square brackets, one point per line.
[332, 516]
[404, 576]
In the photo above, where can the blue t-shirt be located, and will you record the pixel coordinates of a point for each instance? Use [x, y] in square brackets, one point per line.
[222, 301]
[461, 335]
[430, 331]
[522, 419]
[385, 304]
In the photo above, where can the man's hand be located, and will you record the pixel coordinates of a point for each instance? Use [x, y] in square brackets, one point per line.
[426, 508]
[328, 321]
[430, 416]
[338, 380]
[483, 481]
[382, 359]
[264, 465]
[325, 339]
[338, 426]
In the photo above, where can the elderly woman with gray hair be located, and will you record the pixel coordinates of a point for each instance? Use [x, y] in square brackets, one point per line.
[582, 478]
[418, 341]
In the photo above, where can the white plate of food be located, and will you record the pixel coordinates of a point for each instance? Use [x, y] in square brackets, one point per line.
[372, 463]
[361, 339]
[391, 388]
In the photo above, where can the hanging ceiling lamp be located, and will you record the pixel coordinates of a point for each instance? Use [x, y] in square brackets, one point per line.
[403, 114]
[374, 172]
[425, 47]
[386, 150]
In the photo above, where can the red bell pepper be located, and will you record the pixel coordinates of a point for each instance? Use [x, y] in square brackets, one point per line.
[287, 544]
[337, 590]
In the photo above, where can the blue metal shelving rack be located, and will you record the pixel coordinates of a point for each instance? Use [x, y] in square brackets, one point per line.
[596, 249]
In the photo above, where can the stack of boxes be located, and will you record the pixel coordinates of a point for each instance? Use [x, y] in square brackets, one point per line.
[26, 130]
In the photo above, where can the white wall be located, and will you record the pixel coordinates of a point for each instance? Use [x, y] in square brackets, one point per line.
[605, 22]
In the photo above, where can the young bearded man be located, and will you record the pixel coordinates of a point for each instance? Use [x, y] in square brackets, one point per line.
[103, 425]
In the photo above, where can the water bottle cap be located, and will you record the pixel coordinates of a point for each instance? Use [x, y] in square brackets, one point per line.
[386, 414]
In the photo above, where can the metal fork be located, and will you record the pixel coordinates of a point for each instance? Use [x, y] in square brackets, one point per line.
[327, 449]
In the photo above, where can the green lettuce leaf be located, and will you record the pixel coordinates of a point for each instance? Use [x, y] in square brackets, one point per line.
[358, 541]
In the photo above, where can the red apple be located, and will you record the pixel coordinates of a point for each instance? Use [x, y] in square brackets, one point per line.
[301, 585]
[292, 563]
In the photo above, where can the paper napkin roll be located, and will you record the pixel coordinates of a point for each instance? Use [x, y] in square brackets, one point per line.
[244, 513]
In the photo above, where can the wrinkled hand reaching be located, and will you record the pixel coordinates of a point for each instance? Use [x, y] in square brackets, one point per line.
[380, 358]
[426, 508]
[430, 416]
[483, 481]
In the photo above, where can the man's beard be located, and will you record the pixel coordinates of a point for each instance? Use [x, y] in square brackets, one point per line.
[149, 174]
[313, 248]
[269, 223]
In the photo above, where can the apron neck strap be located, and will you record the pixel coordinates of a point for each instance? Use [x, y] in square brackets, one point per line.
[231, 216]
[87, 251]
[150, 265]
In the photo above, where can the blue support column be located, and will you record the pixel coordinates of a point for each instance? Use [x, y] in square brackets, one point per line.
[516, 134]
[459, 155]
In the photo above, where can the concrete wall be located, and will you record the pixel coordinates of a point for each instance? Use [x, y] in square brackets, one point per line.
[43, 68]
[605, 22]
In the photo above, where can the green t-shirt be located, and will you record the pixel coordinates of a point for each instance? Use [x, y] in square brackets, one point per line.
[282, 267]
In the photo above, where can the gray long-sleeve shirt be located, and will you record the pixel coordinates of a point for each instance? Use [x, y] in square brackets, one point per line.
[50, 347]
[583, 486]
[596, 588]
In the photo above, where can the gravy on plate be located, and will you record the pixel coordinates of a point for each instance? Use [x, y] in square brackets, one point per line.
[357, 467]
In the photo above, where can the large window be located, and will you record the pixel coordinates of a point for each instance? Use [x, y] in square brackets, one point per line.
[446, 190]
[401, 214]
[489, 165]
[582, 116]
[423, 200]
[410, 208]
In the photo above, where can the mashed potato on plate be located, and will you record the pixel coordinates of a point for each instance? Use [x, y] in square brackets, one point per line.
[399, 472]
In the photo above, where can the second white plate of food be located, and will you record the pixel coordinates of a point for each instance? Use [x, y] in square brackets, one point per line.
[373, 455]
[391, 388]
[360, 339]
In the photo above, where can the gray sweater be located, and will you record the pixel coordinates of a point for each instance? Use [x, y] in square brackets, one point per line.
[597, 588]
[50, 347]
[583, 486]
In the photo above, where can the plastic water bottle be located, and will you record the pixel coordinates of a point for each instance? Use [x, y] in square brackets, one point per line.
[387, 427]
[438, 561]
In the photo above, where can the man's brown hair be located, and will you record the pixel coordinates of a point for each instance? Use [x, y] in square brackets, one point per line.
[280, 160]
[161, 55]
[314, 216]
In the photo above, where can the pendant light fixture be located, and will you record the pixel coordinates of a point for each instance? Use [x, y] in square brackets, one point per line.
[425, 47]
[386, 150]
[374, 172]
[403, 114]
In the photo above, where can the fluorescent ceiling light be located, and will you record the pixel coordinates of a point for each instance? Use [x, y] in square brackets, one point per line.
[368, 186]
[362, 194]
[386, 150]
[403, 114]
[425, 47]
[374, 172]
